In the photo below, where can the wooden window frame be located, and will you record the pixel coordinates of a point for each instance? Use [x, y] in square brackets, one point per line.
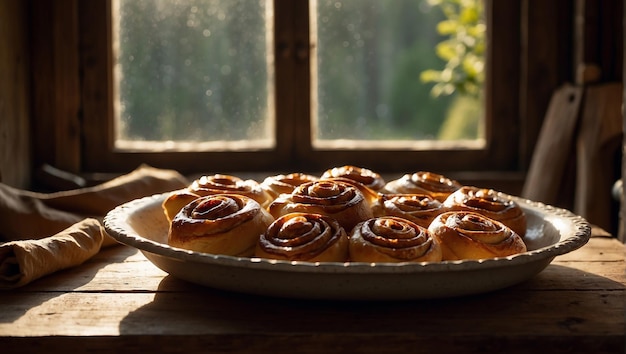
[528, 60]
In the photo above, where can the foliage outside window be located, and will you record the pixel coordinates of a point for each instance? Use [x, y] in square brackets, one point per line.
[464, 72]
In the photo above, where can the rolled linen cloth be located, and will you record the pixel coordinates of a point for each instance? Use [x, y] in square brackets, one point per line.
[26, 260]
[46, 232]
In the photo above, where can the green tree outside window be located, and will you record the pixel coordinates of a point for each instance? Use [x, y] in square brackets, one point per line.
[463, 75]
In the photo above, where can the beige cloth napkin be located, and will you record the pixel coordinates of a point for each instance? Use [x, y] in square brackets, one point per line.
[47, 232]
[24, 261]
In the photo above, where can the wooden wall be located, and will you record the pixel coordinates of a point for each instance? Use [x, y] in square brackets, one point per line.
[15, 169]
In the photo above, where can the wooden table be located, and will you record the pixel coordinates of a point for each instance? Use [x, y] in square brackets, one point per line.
[120, 302]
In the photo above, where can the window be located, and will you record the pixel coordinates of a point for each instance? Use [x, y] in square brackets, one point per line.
[195, 73]
[200, 73]
[504, 144]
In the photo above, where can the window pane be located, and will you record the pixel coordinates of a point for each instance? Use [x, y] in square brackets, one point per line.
[194, 71]
[372, 61]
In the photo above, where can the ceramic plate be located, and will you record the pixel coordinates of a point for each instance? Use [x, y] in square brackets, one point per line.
[551, 232]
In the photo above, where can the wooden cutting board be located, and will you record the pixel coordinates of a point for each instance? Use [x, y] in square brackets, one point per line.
[575, 155]
[555, 146]
[598, 144]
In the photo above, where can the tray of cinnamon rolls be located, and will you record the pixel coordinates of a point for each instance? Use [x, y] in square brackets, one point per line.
[346, 234]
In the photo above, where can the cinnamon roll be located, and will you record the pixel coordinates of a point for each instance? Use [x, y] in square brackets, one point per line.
[392, 239]
[285, 184]
[419, 208]
[227, 184]
[304, 237]
[469, 235]
[435, 185]
[228, 224]
[175, 201]
[371, 196]
[490, 203]
[341, 201]
[366, 177]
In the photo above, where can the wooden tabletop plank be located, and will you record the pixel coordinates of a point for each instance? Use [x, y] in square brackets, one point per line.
[313, 343]
[597, 249]
[119, 300]
[511, 313]
[135, 283]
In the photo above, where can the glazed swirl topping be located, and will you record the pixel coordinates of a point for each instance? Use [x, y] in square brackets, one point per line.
[302, 236]
[227, 224]
[412, 202]
[470, 235]
[477, 227]
[214, 208]
[481, 198]
[362, 175]
[280, 184]
[419, 208]
[433, 182]
[223, 211]
[328, 193]
[435, 185]
[395, 237]
[490, 203]
[219, 183]
[342, 201]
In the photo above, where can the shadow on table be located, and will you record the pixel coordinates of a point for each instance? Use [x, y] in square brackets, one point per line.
[204, 314]
[20, 300]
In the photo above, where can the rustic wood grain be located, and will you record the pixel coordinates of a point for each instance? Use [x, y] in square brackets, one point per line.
[597, 146]
[15, 150]
[119, 301]
[56, 82]
[555, 145]
[207, 311]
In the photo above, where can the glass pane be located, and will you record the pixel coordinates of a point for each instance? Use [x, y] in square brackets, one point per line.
[408, 70]
[194, 70]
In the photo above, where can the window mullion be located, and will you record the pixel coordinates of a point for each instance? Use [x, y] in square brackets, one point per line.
[292, 80]
[284, 72]
[302, 82]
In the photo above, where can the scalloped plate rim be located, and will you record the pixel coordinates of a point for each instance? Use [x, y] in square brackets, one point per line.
[117, 227]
